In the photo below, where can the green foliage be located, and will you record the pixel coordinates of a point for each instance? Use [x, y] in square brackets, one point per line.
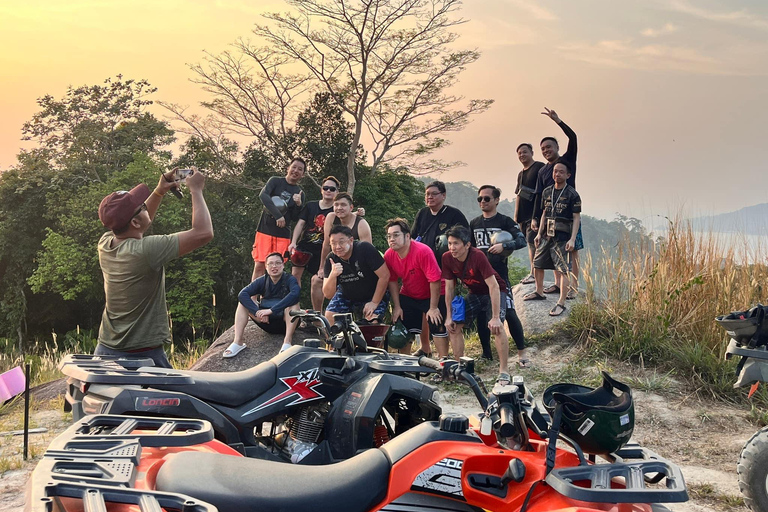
[96, 130]
[388, 194]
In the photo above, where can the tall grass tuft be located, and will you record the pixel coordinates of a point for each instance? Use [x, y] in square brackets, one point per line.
[656, 303]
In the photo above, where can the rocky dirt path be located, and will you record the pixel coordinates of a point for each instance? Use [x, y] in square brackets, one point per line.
[703, 437]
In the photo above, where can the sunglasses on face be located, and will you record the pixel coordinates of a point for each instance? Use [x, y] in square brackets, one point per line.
[484, 199]
[142, 208]
[329, 189]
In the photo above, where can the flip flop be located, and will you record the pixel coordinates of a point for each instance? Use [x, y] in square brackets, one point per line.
[552, 289]
[529, 279]
[572, 294]
[533, 296]
[558, 310]
[233, 349]
[503, 379]
[524, 363]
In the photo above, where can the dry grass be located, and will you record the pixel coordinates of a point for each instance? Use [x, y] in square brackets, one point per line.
[656, 303]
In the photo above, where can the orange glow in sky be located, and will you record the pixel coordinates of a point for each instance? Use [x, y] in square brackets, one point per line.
[667, 97]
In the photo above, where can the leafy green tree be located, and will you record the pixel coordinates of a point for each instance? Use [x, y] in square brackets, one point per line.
[387, 194]
[96, 130]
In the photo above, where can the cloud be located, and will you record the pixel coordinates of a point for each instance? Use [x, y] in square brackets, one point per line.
[741, 17]
[668, 28]
[626, 55]
[534, 10]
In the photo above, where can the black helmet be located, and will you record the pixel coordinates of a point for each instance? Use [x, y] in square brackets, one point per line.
[599, 420]
[397, 337]
[499, 237]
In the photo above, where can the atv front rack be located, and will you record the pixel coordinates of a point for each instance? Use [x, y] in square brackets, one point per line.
[128, 363]
[119, 371]
[96, 459]
[635, 470]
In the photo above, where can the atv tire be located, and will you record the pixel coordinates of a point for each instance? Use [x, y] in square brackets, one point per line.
[752, 469]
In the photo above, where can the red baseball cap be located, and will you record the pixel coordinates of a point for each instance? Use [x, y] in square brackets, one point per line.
[118, 208]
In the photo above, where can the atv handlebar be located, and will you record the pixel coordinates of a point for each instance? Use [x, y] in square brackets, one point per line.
[455, 370]
[430, 363]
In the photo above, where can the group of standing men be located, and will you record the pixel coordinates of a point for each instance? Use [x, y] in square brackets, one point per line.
[423, 270]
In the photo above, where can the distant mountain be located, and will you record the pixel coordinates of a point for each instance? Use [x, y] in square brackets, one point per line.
[752, 220]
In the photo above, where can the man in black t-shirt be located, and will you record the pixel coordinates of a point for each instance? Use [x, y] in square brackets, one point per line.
[282, 198]
[551, 151]
[308, 237]
[484, 228]
[525, 202]
[356, 277]
[431, 222]
[561, 206]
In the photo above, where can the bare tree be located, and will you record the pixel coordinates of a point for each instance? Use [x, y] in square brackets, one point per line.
[387, 63]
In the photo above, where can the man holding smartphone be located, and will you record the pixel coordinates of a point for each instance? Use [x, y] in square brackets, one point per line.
[135, 318]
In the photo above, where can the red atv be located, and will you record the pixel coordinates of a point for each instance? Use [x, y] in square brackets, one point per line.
[504, 460]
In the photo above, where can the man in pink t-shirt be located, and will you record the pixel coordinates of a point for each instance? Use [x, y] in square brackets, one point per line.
[415, 264]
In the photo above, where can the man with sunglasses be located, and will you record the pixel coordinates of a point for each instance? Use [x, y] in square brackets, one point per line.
[433, 221]
[484, 227]
[135, 318]
[308, 237]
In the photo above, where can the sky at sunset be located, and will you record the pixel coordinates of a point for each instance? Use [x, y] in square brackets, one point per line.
[668, 98]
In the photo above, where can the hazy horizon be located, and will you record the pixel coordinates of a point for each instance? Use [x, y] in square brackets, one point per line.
[666, 97]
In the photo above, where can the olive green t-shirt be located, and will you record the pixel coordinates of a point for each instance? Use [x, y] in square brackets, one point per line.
[135, 314]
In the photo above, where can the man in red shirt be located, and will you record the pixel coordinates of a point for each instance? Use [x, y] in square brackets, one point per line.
[487, 292]
[415, 264]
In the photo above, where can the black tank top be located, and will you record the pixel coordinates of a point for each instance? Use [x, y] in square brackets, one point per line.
[355, 234]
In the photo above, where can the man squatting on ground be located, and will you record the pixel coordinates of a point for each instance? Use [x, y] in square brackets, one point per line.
[135, 318]
[550, 151]
[484, 227]
[431, 222]
[356, 277]
[278, 293]
[415, 264]
[560, 222]
[525, 201]
[487, 293]
[273, 233]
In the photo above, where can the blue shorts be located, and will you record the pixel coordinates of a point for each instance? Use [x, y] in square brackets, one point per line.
[339, 304]
[478, 303]
[579, 243]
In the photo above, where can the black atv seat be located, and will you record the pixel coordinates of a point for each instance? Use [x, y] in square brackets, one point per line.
[254, 485]
[226, 388]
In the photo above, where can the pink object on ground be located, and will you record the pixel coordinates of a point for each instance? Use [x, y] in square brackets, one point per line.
[11, 383]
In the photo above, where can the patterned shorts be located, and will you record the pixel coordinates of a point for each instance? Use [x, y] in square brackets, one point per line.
[551, 255]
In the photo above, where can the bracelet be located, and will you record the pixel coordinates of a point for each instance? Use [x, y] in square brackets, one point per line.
[157, 194]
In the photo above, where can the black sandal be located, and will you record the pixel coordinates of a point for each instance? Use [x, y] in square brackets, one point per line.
[534, 296]
[557, 312]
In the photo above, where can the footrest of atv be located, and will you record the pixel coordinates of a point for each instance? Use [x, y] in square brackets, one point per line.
[94, 498]
[106, 434]
[638, 476]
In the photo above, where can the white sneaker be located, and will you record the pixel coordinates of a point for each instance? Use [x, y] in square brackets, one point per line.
[285, 347]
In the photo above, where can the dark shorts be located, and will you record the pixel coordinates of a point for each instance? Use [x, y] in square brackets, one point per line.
[313, 265]
[413, 313]
[340, 304]
[276, 324]
[529, 233]
[477, 304]
[551, 255]
[157, 354]
[579, 243]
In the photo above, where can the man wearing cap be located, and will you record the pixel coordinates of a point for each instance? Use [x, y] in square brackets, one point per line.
[135, 318]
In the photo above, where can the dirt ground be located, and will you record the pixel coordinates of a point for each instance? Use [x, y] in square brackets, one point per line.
[703, 437]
